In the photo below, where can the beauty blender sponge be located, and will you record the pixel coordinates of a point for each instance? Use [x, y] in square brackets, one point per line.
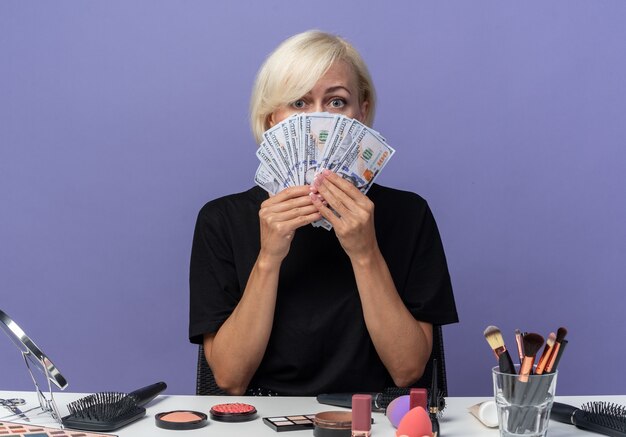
[397, 409]
[415, 423]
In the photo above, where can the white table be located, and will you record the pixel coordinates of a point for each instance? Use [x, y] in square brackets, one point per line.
[456, 421]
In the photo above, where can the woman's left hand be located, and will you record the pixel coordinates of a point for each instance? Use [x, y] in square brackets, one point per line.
[355, 225]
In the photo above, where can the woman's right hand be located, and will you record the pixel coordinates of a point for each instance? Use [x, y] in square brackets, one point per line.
[280, 216]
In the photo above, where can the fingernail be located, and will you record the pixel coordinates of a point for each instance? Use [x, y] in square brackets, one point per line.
[316, 181]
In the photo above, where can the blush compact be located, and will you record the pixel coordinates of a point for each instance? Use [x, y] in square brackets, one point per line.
[181, 420]
[233, 412]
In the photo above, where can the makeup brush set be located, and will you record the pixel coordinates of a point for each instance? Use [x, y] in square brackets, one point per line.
[529, 390]
[528, 345]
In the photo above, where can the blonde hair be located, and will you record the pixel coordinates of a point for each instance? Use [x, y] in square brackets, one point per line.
[294, 68]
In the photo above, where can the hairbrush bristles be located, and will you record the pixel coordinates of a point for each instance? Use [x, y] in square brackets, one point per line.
[102, 412]
[606, 414]
[100, 405]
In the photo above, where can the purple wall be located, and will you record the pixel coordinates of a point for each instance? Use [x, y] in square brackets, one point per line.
[120, 119]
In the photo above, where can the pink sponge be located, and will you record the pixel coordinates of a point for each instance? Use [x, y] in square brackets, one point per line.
[415, 423]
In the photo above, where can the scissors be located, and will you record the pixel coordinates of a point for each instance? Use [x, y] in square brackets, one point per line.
[11, 405]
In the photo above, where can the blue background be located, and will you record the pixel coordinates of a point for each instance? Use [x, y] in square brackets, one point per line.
[120, 119]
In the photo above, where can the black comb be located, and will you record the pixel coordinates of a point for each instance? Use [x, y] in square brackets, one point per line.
[601, 417]
[108, 411]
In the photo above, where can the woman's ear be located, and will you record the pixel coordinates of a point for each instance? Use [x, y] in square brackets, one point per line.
[269, 121]
[365, 107]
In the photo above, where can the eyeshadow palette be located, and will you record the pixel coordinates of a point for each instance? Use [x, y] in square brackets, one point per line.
[290, 423]
[10, 429]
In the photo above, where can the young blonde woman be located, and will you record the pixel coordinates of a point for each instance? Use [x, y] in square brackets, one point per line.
[285, 308]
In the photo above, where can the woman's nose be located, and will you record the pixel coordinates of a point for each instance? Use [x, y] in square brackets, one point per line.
[317, 107]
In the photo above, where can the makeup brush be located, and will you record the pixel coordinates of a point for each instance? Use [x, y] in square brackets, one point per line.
[520, 345]
[600, 417]
[545, 356]
[559, 354]
[494, 338]
[532, 344]
[560, 336]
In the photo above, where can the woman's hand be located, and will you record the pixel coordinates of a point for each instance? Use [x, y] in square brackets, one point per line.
[280, 216]
[355, 225]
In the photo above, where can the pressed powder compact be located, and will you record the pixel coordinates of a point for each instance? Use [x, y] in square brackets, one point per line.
[333, 424]
[233, 412]
[181, 420]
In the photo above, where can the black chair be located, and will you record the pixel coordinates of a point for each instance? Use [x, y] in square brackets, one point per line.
[205, 381]
[206, 385]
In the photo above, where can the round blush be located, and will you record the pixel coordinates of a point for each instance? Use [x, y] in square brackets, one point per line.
[181, 420]
[233, 412]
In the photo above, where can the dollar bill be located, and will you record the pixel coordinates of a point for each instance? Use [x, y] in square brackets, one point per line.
[270, 162]
[317, 129]
[364, 160]
[275, 137]
[266, 180]
[298, 148]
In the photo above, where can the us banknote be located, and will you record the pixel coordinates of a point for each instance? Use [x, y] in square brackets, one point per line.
[295, 150]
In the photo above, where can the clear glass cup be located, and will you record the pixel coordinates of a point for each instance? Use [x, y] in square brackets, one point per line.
[523, 406]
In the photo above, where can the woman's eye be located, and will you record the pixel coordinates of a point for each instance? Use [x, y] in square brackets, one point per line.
[337, 103]
[298, 104]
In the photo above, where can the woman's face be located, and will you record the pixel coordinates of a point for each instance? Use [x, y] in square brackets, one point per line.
[336, 91]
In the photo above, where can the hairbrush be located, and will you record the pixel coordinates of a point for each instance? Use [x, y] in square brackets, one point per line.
[601, 417]
[108, 411]
[380, 401]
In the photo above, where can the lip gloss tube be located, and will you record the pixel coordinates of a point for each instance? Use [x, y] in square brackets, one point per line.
[361, 415]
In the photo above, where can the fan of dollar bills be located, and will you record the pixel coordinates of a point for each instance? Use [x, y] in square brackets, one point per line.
[299, 147]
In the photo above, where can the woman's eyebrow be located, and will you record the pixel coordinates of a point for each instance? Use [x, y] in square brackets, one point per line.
[337, 88]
